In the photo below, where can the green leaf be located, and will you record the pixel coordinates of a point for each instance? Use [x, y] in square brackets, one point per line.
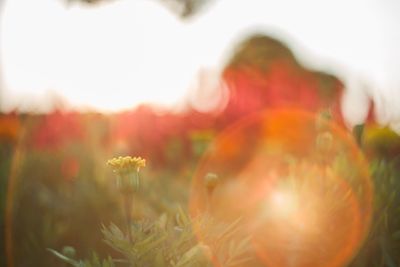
[189, 256]
[358, 131]
[239, 261]
[229, 231]
[64, 258]
[152, 245]
[182, 218]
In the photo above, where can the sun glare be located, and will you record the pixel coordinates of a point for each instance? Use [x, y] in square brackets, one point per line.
[111, 56]
[281, 204]
[294, 197]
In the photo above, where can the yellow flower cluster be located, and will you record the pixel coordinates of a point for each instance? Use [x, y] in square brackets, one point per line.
[126, 164]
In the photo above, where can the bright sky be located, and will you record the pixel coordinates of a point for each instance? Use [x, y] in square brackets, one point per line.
[125, 52]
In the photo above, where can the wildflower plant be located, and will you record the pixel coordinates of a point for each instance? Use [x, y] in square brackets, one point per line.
[168, 241]
[127, 171]
[128, 181]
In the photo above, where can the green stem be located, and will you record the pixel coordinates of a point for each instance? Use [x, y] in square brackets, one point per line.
[128, 208]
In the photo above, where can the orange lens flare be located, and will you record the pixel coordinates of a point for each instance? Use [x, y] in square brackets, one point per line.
[299, 184]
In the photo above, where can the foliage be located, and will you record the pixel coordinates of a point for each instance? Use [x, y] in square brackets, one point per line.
[382, 247]
[51, 211]
[93, 262]
[170, 241]
[165, 241]
[53, 208]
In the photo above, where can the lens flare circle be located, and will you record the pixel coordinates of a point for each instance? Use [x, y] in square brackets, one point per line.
[298, 182]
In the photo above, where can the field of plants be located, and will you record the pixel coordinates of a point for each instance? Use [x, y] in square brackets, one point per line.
[274, 179]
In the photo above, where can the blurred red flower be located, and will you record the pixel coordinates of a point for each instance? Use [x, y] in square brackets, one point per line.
[57, 129]
[70, 168]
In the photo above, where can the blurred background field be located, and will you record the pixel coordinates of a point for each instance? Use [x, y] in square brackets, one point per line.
[57, 190]
[55, 187]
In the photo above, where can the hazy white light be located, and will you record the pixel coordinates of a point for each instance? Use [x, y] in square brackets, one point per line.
[125, 52]
[110, 57]
[209, 93]
[282, 204]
